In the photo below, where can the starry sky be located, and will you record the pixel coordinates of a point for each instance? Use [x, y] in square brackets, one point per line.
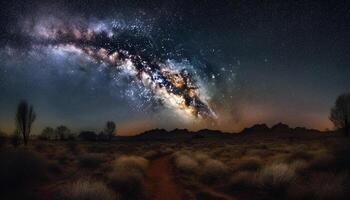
[173, 64]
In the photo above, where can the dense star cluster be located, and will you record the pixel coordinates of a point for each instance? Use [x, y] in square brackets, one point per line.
[130, 51]
[173, 64]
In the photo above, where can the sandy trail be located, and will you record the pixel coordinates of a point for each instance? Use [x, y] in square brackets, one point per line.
[160, 181]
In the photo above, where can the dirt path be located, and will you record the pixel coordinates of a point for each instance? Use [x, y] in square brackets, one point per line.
[160, 181]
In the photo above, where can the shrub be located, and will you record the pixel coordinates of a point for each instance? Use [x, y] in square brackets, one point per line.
[129, 184]
[186, 164]
[243, 180]
[251, 164]
[167, 150]
[131, 163]
[212, 171]
[2, 139]
[151, 154]
[299, 155]
[91, 160]
[276, 177]
[19, 169]
[201, 158]
[16, 139]
[127, 176]
[87, 136]
[323, 162]
[86, 190]
[299, 166]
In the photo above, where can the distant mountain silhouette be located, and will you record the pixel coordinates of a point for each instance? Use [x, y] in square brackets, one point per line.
[258, 130]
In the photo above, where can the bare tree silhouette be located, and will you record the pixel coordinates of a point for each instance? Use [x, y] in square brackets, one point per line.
[48, 133]
[62, 132]
[25, 117]
[340, 113]
[110, 128]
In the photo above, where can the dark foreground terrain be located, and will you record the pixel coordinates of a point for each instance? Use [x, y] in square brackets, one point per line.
[256, 164]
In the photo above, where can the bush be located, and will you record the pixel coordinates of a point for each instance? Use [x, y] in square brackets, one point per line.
[151, 154]
[299, 166]
[2, 139]
[185, 163]
[212, 171]
[127, 176]
[91, 160]
[323, 163]
[299, 155]
[87, 136]
[86, 190]
[276, 178]
[201, 158]
[128, 183]
[131, 163]
[19, 169]
[243, 180]
[251, 164]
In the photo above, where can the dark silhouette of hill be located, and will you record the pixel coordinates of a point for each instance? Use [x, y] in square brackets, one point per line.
[258, 130]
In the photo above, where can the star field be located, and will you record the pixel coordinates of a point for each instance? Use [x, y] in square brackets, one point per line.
[168, 64]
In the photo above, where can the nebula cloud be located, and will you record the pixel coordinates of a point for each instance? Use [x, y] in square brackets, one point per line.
[128, 49]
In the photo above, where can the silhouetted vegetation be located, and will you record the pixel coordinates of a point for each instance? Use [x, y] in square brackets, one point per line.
[62, 132]
[85, 189]
[25, 117]
[340, 113]
[87, 135]
[110, 128]
[2, 139]
[48, 133]
[15, 138]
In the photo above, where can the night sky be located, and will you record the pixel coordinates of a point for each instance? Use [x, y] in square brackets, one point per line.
[173, 64]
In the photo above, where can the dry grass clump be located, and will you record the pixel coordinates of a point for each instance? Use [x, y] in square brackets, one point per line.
[299, 166]
[259, 152]
[167, 150]
[209, 170]
[299, 155]
[86, 190]
[185, 163]
[200, 157]
[131, 163]
[213, 171]
[249, 164]
[243, 180]
[91, 160]
[151, 154]
[276, 177]
[323, 162]
[128, 175]
[129, 184]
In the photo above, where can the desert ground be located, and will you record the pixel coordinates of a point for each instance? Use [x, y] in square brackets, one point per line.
[248, 167]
